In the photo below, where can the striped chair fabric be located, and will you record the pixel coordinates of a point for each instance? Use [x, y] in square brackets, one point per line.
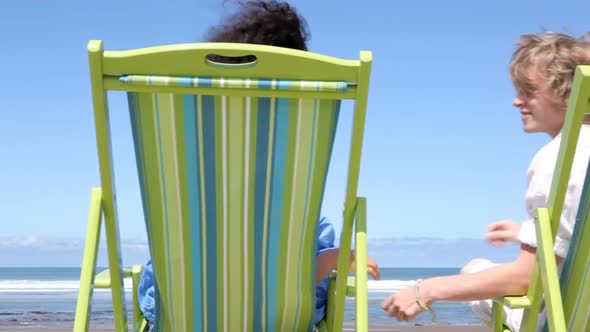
[574, 279]
[231, 190]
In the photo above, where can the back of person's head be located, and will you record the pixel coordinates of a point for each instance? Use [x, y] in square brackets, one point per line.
[547, 62]
[263, 22]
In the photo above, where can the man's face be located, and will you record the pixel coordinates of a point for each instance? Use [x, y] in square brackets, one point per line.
[539, 112]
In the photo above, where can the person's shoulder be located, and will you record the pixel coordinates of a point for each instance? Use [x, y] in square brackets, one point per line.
[326, 234]
[584, 139]
[546, 156]
[543, 163]
[325, 221]
[583, 149]
[552, 148]
[325, 225]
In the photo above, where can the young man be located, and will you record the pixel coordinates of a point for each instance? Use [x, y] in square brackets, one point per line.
[542, 70]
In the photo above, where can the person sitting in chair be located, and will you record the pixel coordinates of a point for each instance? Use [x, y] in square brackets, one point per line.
[542, 71]
[273, 23]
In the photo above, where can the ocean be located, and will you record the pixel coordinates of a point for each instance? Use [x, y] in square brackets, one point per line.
[46, 298]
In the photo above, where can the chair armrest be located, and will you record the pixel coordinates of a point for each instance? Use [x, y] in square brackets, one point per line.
[545, 274]
[103, 279]
[350, 284]
[351, 287]
[514, 302]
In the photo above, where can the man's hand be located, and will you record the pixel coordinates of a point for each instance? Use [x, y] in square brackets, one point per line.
[403, 305]
[500, 232]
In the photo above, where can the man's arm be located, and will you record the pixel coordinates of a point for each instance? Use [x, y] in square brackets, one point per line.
[506, 279]
[327, 261]
[511, 278]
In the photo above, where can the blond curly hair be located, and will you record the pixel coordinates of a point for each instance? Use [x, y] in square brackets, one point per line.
[547, 61]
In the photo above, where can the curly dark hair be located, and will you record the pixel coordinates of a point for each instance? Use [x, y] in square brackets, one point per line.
[263, 22]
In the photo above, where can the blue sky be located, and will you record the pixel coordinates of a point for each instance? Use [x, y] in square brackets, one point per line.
[444, 150]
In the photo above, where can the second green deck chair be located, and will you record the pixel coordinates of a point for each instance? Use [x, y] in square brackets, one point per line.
[232, 161]
[567, 297]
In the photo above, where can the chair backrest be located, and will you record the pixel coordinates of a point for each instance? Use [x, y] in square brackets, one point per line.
[232, 161]
[575, 276]
[572, 278]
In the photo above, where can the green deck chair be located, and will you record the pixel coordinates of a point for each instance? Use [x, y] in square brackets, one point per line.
[232, 162]
[567, 305]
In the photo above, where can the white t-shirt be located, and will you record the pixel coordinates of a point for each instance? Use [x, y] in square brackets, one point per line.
[539, 177]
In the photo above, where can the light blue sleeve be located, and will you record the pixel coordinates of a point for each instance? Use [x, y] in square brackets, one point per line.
[326, 235]
[326, 238]
[147, 293]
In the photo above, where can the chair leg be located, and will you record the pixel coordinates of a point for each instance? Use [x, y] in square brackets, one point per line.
[335, 306]
[337, 318]
[497, 317]
[323, 326]
[361, 291]
[88, 271]
[331, 304]
[135, 275]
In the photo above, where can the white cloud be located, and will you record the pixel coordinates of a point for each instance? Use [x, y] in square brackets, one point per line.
[388, 252]
[434, 252]
[53, 243]
[51, 251]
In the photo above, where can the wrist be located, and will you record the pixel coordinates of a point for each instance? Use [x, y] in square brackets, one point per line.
[428, 292]
[424, 297]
